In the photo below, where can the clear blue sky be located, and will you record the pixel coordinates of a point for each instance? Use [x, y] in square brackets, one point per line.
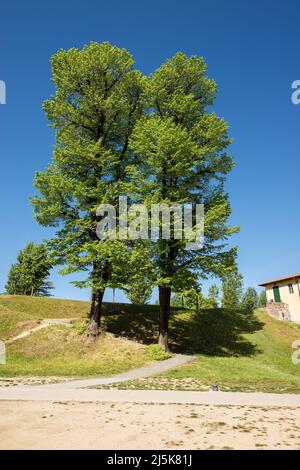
[252, 51]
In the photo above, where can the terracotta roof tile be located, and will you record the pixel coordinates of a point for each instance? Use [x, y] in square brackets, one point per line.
[284, 278]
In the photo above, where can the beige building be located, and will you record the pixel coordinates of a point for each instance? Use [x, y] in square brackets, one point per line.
[283, 297]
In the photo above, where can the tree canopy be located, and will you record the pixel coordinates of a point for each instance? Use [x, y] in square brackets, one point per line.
[151, 139]
[28, 276]
[250, 298]
[181, 158]
[97, 102]
[232, 290]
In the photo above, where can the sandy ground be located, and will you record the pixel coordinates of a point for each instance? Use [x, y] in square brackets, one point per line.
[99, 425]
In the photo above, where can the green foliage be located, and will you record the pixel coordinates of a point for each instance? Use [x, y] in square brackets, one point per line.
[250, 299]
[97, 102]
[139, 292]
[140, 283]
[191, 298]
[156, 353]
[232, 290]
[205, 302]
[195, 299]
[80, 328]
[180, 157]
[152, 138]
[14, 282]
[177, 300]
[29, 275]
[262, 300]
[213, 294]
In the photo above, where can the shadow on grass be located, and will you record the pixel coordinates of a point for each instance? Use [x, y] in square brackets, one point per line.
[212, 332]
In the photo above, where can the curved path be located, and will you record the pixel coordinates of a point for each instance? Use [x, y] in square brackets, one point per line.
[77, 391]
[141, 372]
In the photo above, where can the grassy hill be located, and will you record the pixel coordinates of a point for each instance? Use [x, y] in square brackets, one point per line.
[238, 350]
[59, 350]
[254, 354]
[19, 313]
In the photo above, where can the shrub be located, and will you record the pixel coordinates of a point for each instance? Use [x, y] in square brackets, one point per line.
[80, 328]
[156, 353]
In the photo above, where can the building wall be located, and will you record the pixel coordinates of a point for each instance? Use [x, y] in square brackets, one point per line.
[292, 300]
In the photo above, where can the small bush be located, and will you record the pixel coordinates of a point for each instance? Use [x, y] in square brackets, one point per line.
[80, 328]
[156, 353]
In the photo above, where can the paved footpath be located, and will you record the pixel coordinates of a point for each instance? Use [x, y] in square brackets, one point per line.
[134, 374]
[148, 396]
[77, 391]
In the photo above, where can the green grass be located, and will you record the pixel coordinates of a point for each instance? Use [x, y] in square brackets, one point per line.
[236, 349]
[261, 360]
[63, 351]
[19, 313]
[60, 351]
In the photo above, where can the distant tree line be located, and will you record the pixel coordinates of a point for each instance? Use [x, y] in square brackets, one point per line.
[29, 276]
[231, 294]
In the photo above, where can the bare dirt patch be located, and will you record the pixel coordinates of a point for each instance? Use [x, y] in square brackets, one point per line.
[75, 425]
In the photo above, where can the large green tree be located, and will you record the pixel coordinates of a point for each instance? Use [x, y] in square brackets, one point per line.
[97, 102]
[154, 140]
[180, 157]
[250, 298]
[28, 276]
[232, 290]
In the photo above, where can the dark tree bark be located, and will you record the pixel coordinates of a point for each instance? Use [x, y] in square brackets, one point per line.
[197, 302]
[95, 314]
[99, 274]
[164, 302]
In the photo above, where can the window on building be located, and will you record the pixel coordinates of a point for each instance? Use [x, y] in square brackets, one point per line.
[291, 288]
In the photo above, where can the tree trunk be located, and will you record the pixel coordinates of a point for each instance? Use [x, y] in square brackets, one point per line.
[164, 302]
[94, 327]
